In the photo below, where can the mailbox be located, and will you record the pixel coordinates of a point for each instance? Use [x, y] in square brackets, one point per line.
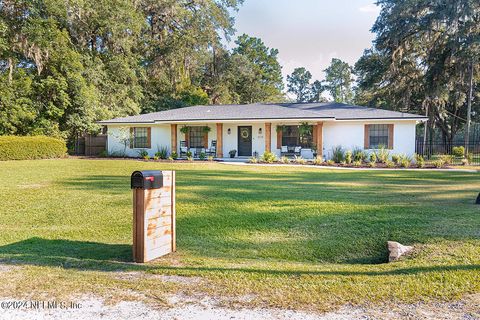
[150, 179]
[153, 214]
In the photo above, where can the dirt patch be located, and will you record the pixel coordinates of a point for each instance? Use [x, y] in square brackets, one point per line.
[135, 275]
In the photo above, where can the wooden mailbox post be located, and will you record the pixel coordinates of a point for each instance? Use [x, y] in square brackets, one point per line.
[153, 214]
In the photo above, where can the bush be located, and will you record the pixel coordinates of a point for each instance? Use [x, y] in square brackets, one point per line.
[470, 158]
[404, 163]
[317, 161]
[382, 154]
[210, 158]
[373, 157]
[103, 154]
[357, 163]
[202, 156]
[338, 154]
[189, 154]
[458, 151]
[162, 153]
[189, 158]
[155, 158]
[34, 147]
[372, 164]
[284, 160]
[330, 162]
[439, 163]
[253, 160]
[359, 155]
[348, 157]
[143, 154]
[447, 159]
[389, 164]
[174, 155]
[268, 157]
[300, 160]
[396, 158]
[419, 160]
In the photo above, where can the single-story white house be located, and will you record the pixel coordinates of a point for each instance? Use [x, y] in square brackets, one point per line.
[252, 129]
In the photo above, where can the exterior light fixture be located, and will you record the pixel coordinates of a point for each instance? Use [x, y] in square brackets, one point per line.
[260, 131]
[229, 131]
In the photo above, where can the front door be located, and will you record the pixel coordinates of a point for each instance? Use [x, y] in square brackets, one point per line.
[245, 141]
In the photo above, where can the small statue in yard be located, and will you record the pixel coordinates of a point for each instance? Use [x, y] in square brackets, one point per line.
[396, 250]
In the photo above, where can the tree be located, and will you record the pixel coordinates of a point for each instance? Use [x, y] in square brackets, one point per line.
[259, 72]
[299, 84]
[420, 61]
[316, 90]
[339, 81]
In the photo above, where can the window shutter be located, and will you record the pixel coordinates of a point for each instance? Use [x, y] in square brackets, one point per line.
[390, 136]
[279, 137]
[366, 138]
[132, 137]
[149, 138]
[205, 140]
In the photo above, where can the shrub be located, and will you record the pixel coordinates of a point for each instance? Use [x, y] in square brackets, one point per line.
[373, 157]
[202, 156]
[299, 160]
[465, 162]
[143, 154]
[189, 158]
[268, 157]
[155, 158]
[210, 158]
[317, 161]
[382, 154]
[359, 155]
[470, 157]
[404, 163]
[372, 164]
[419, 160]
[103, 154]
[357, 163]
[338, 154]
[439, 163]
[35, 147]
[284, 160]
[162, 152]
[253, 160]
[348, 157]
[458, 151]
[389, 164]
[189, 154]
[447, 159]
[171, 158]
[396, 158]
[174, 155]
[330, 162]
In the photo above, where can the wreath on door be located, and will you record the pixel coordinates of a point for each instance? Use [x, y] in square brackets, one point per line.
[244, 133]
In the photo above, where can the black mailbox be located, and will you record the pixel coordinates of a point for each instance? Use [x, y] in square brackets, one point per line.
[149, 179]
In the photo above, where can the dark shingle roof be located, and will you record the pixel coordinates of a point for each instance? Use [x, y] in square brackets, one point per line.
[257, 111]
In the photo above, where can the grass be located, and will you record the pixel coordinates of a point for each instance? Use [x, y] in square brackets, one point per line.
[259, 236]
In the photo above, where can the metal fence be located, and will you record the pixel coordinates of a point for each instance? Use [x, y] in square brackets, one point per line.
[434, 150]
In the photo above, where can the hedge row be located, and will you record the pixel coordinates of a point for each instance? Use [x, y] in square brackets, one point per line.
[35, 147]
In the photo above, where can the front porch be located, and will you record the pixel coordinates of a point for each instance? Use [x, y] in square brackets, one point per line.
[246, 140]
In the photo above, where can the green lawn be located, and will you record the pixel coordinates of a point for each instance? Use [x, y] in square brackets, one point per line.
[286, 237]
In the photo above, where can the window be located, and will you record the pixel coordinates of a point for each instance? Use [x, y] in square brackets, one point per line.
[195, 137]
[140, 138]
[291, 136]
[378, 135]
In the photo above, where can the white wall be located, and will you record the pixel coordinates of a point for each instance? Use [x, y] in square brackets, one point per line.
[160, 136]
[350, 134]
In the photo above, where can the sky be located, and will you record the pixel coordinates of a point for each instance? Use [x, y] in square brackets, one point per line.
[309, 33]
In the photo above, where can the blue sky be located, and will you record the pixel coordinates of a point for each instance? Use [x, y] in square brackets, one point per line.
[309, 33]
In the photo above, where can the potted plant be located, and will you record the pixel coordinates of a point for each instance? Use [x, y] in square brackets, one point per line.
[232, 153]
[184, 129]
[206, 129]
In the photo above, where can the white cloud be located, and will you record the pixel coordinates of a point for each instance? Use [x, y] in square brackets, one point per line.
[370, 8]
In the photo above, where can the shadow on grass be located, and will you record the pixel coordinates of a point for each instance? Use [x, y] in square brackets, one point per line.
[93, 256]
